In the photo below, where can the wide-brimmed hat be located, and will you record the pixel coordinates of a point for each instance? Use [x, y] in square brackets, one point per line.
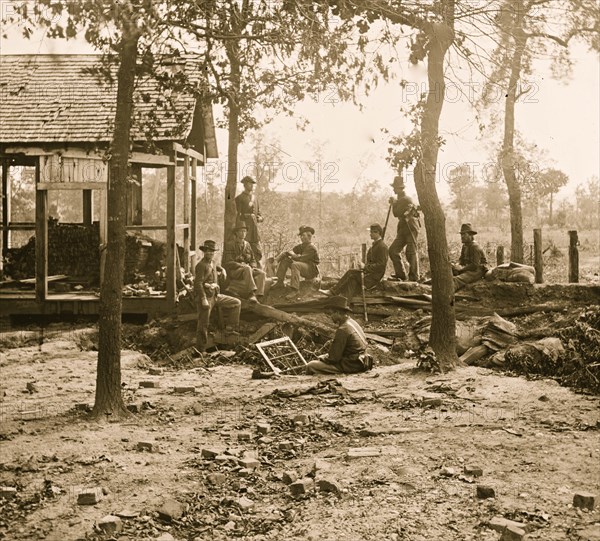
[338, 303]
[305, 228]
[240, 224]
[376, 228]
[209, 246]
[466, 228]
[248, 179]
[398, 182]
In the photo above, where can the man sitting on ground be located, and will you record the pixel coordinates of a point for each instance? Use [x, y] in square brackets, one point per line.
[302, 260]
[350, 284]
[208, 295]
[247, 281]
[472, 263]
[348, 350]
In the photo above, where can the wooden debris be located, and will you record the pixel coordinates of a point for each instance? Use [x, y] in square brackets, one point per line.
[282, 355]
[260, 332]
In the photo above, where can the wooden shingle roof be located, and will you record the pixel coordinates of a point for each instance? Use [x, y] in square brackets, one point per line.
[54, 99]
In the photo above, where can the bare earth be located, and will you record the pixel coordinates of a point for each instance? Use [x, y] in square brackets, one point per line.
[537, 444]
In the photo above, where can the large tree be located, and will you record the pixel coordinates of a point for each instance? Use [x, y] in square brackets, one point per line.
[525, 30]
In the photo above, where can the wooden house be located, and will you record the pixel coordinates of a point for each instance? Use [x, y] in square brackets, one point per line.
[56, 117]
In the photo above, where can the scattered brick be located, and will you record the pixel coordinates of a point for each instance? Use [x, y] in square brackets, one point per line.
[244, 436]
[302, 486]
[170, 510]
[500, 524]
[286, 445]
[211, 453]
[484, 492]
[263, 428]
[245, 472]
[133, 408]
[245, 503]
[512, 533]
[320, 465]
[149, 446]
[184, 390]
[249, 463]
[155, 371]
[127, 513]
[89, 496]
[223, 458]
[431, 402]
[110, 524]
[473, 471]
[447, 472]
[265, 440]
[289, 477]
[329, 486]
[165, 537]
[216, 478]
[8, 492]
[584, 500]
[149, 384]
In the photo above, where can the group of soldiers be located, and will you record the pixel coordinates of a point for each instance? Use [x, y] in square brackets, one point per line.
[242, 276]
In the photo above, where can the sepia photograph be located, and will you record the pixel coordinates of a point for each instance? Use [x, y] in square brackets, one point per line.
[311, 270]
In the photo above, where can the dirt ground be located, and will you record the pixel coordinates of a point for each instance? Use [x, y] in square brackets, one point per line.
[536, 443]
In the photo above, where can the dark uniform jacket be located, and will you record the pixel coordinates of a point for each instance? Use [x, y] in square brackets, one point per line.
[408, 216]
[377, 257]
[308, 254]
[349, 344]
[236, 253]
[248, 211]
[472, 257]
[205, 273]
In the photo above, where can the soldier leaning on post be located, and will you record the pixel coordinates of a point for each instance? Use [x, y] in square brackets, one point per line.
[348, 350]
[248, 211]
[208, 295]
[472, 264]
[374, 269]
[409, 225]
[241, 266]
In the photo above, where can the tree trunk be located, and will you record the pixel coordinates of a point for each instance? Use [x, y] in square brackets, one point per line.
[551, 204]
[233, 55]
[508, 155]
[109, 401]
[442, 337]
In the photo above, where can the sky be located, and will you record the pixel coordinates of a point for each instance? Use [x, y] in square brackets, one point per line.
[561, 117]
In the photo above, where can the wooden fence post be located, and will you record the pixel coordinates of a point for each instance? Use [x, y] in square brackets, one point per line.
[363, 248]
[573, 257]
[538, 256]
[499, 255]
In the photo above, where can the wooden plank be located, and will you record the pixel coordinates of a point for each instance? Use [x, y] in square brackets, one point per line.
[538, 256]
[573, 257]
[170, 277]
[5, 206]
[72, 186]
[53, 278]
[379, 339]
[41, 240]
[20, 226]
[146, 228]
[143, 158]
[187, 152]
[261, 331]
[193, 213]
[186, 213]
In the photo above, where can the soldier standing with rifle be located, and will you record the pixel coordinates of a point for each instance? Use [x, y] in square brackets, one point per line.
[409, 224]
[248, 212]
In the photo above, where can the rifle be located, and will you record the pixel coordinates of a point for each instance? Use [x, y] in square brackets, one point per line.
[387, 219]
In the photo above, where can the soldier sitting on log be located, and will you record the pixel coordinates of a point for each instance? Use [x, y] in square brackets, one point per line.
[208, 295]
[245, 278]
[374, 269]
[348, 350]
[472, 263]
[302, 260]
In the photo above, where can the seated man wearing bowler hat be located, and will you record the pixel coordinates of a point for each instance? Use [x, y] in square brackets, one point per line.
[302, 260]
[208, 295]
[348, 350]
[472, 264]
[246, 280]
[374, 269]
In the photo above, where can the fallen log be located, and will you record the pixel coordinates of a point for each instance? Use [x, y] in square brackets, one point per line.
[269, 312]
